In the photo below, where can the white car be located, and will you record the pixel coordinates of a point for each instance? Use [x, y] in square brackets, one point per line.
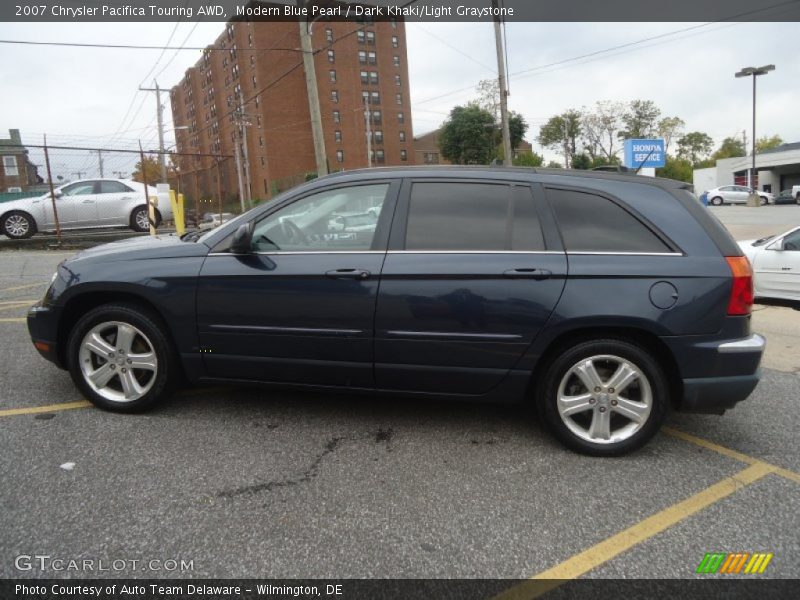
[214, 220]
[735, 194]
[87, 203]
[776, 264]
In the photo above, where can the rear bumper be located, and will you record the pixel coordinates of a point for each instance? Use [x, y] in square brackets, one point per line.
[43, 329]
[733, 374]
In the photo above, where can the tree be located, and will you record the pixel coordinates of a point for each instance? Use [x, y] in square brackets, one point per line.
[151, 169]
[601, 127]
[694, 146]
[516, 129]
[677, 168]
[528, 159]
[467, 136]
[554, 165]
[670, 128]
[489, 97]
[581, 161]
[640, 120]
[768, 143]
[561, 133]
[731, 147]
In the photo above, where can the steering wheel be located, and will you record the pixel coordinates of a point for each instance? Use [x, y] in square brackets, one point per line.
[293, 233]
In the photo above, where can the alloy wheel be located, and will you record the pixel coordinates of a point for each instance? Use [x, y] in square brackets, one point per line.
[17, 226]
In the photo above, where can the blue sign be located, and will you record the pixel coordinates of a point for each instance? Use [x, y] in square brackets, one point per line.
[644, 153]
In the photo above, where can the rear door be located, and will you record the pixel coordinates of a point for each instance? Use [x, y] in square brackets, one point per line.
[112, 200]
[467, 285]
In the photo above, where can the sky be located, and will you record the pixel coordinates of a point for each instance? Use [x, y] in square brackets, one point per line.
[88, 96]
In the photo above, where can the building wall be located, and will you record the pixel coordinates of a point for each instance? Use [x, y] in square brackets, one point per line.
[777, 170]
[258, 65]
[19, 174]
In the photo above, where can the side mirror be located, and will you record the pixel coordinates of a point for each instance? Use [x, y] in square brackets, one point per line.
[242, 239]
[58, 193]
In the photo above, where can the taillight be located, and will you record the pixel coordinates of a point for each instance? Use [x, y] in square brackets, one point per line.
[741, 301]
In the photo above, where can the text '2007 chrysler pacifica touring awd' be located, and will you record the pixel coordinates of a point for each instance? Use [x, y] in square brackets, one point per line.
[605, 299]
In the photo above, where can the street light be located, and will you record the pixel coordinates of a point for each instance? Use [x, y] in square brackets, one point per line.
[754, 72]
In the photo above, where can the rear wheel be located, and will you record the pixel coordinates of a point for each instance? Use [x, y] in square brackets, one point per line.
[604, 397]
[18, 225]
[140, 219]
[763, 201]
[120, 359]
[716, 201]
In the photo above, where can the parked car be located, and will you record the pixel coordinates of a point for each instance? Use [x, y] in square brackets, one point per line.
[776, 264]
[796, 192]
[786, 197]
[214, 220]
[603, 299]
[83, 204]
[735, 194]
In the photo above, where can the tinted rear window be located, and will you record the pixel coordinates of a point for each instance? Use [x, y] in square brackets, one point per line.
[591, 223]
[472, 216]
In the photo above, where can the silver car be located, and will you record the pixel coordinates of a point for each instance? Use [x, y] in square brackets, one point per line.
[735, 194]
[87, 203]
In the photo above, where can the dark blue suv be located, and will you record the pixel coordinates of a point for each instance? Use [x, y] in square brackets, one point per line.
[606, 299]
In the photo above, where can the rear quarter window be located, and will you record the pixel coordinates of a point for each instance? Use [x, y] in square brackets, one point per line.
[592, 223]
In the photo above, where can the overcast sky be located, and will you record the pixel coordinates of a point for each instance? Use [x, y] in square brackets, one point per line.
[82, 95]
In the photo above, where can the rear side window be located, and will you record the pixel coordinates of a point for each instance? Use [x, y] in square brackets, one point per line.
[472, 216]
[591, 223]
[113, 187]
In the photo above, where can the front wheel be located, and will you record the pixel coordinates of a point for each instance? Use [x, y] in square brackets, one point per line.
[120, 359]
[18, 225]
[604, 397]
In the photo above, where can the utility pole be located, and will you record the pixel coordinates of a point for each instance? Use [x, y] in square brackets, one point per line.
[246, 170]
[160, 114]
[237, 154]
[313, 96]
[78, 174]
[100, 161]
[119, 174]
[501, 69]
[754, 72]
[367, 119]
[744, 137]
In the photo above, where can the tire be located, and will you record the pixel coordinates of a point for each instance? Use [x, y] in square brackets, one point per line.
[764, 200]
[140, 220]
[716, 201]
[113, 384]
[578, 424]
[18, 225]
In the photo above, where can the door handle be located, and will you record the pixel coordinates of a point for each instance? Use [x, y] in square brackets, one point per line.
[527, 273]
[88, 202]
[348, 274]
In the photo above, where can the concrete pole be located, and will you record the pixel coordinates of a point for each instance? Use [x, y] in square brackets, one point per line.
[313, 98]
[501, 69]
[160, 115]
[369, 131]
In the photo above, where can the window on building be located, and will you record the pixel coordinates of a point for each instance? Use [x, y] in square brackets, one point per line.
[331, 56]
[337, 135]
[371, 37]
[393, 21]
[10, 166]
[329, 36]
[395, 41]
[362, 57]
[337, 118]
[372, 58]
[431, 158]
[591, 223]
[364, 77]
[340, 156]
[260, 141]
[332, 75]
[373, 77]
[376, 117]
[467, 216]
[396, 60]
[402, 136]
[334, 96]
[397, 80]
[375, 97]
[14, 189]
[398, 98]
[380, 157]
[401, 118]
[378, 135]
[361, 36]
[403, 155]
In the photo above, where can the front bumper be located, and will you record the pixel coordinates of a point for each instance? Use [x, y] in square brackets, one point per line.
[43, 329]
[733, 374]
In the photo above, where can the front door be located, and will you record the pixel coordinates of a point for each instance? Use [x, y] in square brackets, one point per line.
[300, 307]
[467, 285]
[76, 206]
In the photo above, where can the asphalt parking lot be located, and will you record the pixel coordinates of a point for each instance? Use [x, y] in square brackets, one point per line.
[243, 482]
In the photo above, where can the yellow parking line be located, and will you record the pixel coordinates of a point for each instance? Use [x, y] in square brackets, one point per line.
[591, 558]
[15, 306]
[13, 320]
[22, 287]
[751, 460]
[10, 412]
[18, 301]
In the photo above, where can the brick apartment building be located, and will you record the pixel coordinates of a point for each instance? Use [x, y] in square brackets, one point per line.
[258, 63]
[17, 172]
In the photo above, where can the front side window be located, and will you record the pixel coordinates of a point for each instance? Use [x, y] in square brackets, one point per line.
[337, 219]
[591, 223]
[83, 188]
[792, 242]
[472, 216]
